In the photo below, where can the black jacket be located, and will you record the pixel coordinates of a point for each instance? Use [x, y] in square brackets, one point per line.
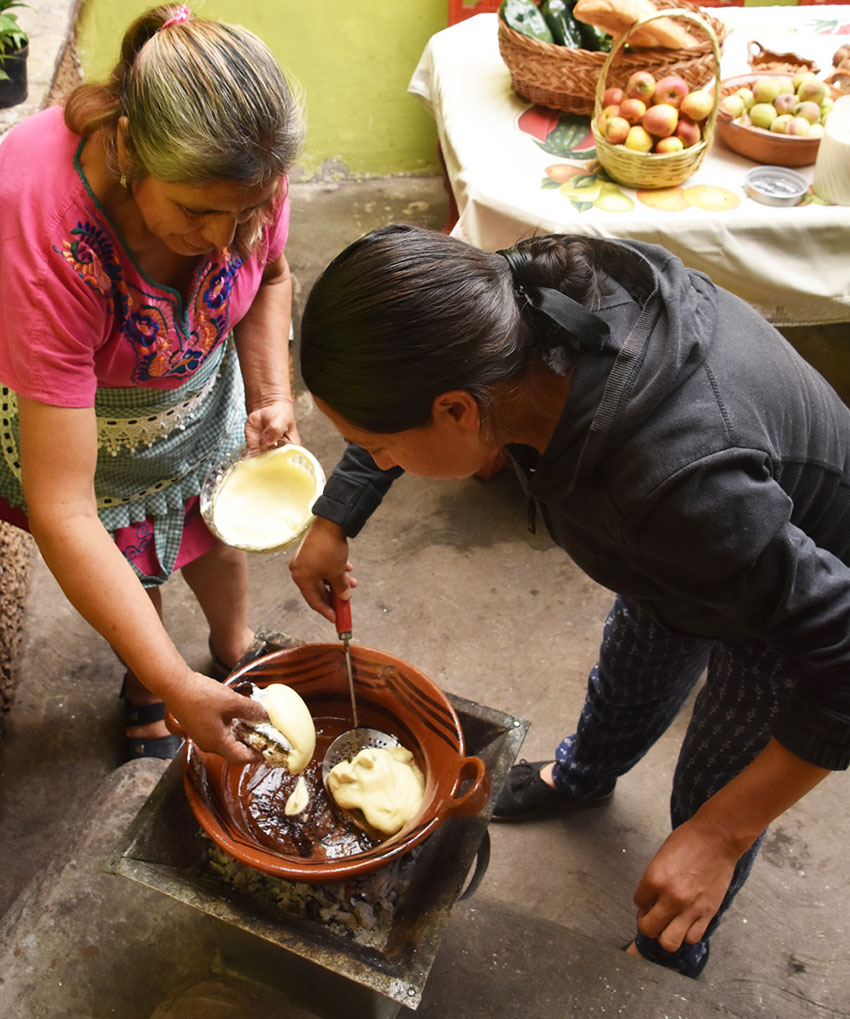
[702, 467]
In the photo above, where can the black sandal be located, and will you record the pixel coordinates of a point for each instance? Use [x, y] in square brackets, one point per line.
[162, 748]
[526, 795]
[221, 670]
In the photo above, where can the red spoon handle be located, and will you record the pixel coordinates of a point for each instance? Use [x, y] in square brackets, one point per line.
[342, 610]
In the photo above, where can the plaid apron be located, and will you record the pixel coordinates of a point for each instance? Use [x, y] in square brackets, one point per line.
[154, 449]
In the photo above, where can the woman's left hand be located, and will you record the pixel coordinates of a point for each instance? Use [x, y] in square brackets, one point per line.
[684, 885]
[271, 424]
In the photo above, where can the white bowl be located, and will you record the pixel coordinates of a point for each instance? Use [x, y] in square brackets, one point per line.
[262, 502]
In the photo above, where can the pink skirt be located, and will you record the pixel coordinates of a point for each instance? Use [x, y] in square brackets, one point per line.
[137, 540]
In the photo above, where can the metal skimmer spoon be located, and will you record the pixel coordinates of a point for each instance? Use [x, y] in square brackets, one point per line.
[349, 743]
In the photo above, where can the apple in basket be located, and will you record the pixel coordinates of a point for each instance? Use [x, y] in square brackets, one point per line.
[617, 130]
[641, 85]
[671, 89]
[639, 139]
[665, 116]
[697, 105]
[634, 109]
[613, 96]
[605, 116]
[689, 131]
[660, 120]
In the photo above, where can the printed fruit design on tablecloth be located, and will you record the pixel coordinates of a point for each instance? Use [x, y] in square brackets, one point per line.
[587, 187]
[560, 134]
[829, 26]
[660, 116]
[699, 196]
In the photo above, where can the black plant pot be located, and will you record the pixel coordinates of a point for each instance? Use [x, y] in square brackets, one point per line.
[14, 89]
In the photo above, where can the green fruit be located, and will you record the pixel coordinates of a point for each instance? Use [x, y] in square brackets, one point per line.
[733, 105]
[811, 111]
[765, 90]
[762, 115]
[780, 123]
[798, 126]
[801, 77]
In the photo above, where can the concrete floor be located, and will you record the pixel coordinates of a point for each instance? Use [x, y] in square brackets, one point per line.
[450, 581]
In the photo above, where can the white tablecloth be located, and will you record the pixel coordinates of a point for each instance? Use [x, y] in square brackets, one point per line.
[792, 264]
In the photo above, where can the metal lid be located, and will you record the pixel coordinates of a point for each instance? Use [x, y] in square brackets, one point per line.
[776, 185]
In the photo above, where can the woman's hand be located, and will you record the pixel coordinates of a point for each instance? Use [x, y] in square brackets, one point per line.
[204, 709]
[270, 424]
[684, 885]
[322, 562]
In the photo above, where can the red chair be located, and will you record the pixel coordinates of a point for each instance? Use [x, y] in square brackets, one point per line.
[460, 10]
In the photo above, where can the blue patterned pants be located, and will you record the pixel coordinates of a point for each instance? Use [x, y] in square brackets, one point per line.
[643, 677]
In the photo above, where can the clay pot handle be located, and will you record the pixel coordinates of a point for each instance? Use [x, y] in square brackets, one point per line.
[476, 796]
[174, 726]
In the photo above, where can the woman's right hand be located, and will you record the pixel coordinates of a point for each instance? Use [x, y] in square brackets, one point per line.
[203, 710]
[321, 562]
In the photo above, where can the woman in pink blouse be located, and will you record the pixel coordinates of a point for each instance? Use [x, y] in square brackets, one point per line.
[144, 317]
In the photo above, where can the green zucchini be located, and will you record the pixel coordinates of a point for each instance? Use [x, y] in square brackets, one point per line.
[593, 38]
[565, 29]
[525, 17]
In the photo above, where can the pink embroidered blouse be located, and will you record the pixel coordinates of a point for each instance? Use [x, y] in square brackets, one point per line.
[76, 312]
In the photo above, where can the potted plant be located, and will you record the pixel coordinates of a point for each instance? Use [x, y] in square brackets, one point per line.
[14, 48]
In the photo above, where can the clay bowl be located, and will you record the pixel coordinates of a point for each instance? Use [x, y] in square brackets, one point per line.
[392, 696]
[755, 142]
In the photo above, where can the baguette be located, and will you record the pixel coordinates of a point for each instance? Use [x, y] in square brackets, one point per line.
[617, 16]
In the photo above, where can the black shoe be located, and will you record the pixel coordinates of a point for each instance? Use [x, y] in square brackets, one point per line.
[161, 747]
[526, 795]
[678, 965]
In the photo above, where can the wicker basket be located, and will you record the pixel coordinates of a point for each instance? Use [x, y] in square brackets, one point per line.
[565, 79]
[648, 169]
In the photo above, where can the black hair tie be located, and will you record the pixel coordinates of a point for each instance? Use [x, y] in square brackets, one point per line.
[586, 331]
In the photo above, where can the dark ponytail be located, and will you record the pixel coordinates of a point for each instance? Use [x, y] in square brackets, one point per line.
[404, 314]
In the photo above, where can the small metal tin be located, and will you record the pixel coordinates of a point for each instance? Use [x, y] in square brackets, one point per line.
[776, 185]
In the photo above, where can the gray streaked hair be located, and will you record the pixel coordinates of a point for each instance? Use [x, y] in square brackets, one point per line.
[207, 101]
[204, 101]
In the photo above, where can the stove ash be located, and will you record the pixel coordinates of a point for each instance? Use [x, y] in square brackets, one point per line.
[361, 909]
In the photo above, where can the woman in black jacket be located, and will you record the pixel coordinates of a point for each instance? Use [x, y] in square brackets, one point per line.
[680, 452]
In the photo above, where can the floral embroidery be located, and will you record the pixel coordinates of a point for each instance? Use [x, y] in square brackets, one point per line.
[217, 292]
[91, 255]
[147, 330]
[150, 321]
[211, 314]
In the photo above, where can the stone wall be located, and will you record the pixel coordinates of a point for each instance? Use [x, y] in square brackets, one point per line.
[17, 550]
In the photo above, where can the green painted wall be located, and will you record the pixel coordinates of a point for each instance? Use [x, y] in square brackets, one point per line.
[352, 58]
